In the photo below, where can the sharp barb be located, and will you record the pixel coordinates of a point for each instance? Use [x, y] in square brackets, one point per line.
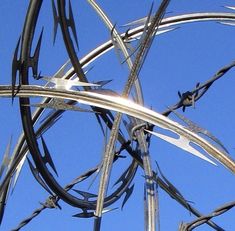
[122, 177]
[56, 21]
[102, 83]
[195, 128]
[230, 7]
[135, 22]
[126, 36]
[86, 195]
[15, 68]
[182, 143]
[34, 59]
[227, 23]
[47, 156]
[67, 84]
[72, 24]
[61, 72]
[6, 158]
[17, 174]
[88, 70]
[179, 94]
[129, 191]
[163, 31]
[107, 210]
[37, 177]
[84, 214]
[116, 45]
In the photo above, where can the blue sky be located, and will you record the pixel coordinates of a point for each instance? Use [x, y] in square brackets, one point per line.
[176, 62]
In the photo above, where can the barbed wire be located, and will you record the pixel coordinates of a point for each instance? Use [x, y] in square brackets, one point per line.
[52, 201]
[27, 220]
[187, 99]
[203, 219]
[180, 104]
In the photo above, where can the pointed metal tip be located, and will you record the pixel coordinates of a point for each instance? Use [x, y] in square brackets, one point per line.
[84, 215]
[15, 68]
[129, 191]
[72, 24]
[17, 172]
[47, 156]
[113, 29]
[226, 23]
[6, 161]
[184, 144]
[86, 195]
[107, 210]
[37, 176]
[56, 21]
[39, 76]
[35, 58]
[230, 7]
[159, 32]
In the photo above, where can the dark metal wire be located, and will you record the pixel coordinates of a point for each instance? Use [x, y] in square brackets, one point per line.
[203, 219]
[218, 75]
[187, 99]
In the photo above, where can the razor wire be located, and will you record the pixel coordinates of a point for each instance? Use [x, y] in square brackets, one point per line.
[26, 61]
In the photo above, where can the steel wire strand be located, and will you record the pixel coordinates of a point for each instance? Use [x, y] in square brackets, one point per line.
[203, 219]
[134, 32]
[187, 98]
[130, 108]
[37, 93]
[52, 201]
[140, 136]
[108, 157]
[31, 139]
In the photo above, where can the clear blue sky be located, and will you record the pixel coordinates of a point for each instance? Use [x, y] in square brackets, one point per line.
[177, 61]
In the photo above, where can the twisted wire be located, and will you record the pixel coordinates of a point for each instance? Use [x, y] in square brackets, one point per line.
[28, 219]
[187, 99]
[204, 219]
[218, 75]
